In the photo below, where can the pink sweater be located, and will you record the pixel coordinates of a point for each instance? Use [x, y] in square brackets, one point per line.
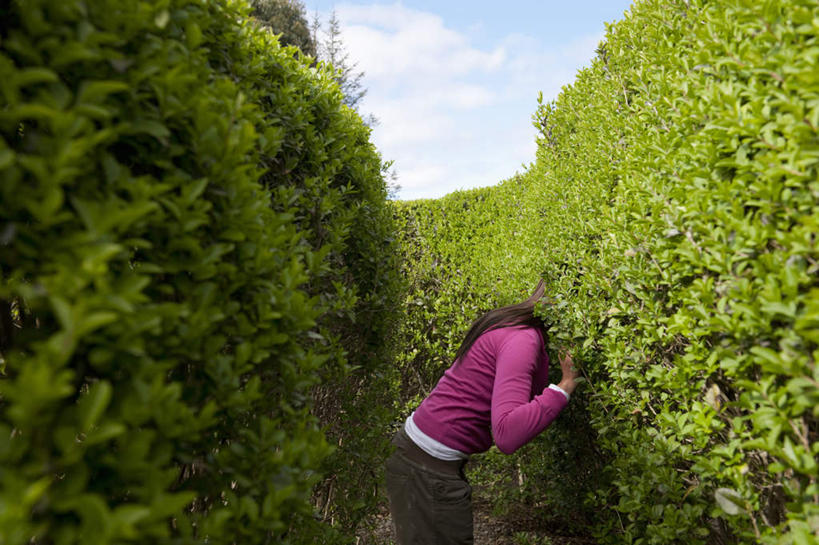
[498, 389]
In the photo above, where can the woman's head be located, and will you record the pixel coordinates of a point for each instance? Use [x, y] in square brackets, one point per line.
[522, 313]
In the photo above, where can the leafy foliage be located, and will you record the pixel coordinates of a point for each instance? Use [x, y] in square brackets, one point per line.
[199, 270]
[704, 267]
[192, 228]
[287, 19]
[673, 212]
[332, 51]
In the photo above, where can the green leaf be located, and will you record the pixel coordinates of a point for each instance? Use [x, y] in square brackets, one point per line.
[193, 35]
[35, 491]
[96, 91]
[729, 500]
[105, 432]
[162, 18]
[129, 515]
[93, 404]
[6, 158]
[95, 320]
[32, 75]
[150, 127]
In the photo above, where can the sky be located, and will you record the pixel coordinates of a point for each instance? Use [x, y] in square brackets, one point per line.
[454, 83]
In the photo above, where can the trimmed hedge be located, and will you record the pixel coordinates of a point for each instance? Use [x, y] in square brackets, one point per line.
[675, 199]
[694, 296]
[192, 227]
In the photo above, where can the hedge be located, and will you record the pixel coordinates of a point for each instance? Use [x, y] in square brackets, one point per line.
[192, 228]
[696, 300]
[675, 199]
[198, 270]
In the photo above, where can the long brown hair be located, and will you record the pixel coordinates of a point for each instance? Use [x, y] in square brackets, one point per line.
[508, 316]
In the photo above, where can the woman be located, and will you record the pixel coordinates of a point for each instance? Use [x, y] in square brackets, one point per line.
[496, 389]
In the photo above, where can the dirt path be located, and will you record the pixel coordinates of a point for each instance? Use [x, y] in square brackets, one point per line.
[489, 530]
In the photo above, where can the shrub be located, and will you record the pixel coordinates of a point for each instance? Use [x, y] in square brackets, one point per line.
[691, 300]
[672, 211]
[192, 227]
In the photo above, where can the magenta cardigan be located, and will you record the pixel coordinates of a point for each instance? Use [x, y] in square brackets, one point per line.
[497, 390]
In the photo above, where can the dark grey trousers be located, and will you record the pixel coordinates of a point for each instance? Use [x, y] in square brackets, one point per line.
[430, 499]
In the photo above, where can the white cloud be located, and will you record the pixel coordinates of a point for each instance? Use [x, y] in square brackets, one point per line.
[464, 96]
[403, 122]
[395, 40]
[424, 177]
[452, 114]
[534, 68]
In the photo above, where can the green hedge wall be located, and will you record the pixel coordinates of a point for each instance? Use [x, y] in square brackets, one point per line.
[192, 228]
[694, 296]
[672, 211]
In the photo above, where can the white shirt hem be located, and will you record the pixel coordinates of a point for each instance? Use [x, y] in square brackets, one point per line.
[431, 446]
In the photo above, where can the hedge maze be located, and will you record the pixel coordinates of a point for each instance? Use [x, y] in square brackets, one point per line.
[212, 318]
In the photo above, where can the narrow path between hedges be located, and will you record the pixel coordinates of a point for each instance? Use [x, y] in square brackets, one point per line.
[490, 529]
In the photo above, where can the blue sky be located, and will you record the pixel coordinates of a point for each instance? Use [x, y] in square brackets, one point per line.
[454, 83]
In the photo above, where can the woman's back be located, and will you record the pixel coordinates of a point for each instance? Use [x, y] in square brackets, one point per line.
[493, 391]
[497, 391]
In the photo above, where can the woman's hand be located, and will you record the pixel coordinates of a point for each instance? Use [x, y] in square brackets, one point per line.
[570, 373]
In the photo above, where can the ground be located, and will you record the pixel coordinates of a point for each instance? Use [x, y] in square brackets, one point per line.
[513, 528]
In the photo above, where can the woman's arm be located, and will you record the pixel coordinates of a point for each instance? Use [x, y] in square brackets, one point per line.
[517, 419]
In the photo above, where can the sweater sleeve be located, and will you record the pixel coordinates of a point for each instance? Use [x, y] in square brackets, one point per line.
[517, 418]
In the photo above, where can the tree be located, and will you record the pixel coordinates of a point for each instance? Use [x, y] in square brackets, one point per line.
[288, 19]
[332, 51]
